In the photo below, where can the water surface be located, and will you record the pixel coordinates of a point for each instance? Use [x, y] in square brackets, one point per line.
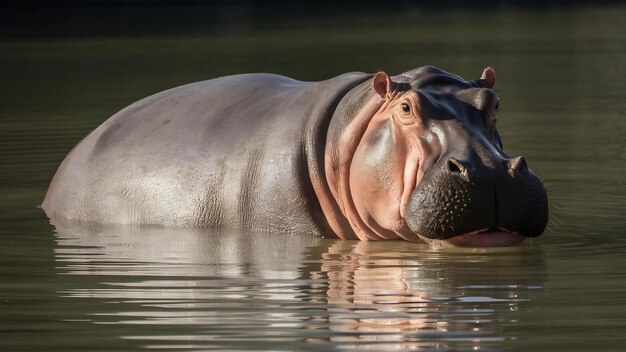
[561, 79]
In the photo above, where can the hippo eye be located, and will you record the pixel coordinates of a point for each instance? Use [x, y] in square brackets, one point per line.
[406, 107]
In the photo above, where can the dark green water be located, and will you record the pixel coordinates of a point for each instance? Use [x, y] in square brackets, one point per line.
[562, 83]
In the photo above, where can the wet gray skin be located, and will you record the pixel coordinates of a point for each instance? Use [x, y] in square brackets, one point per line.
[260, 151]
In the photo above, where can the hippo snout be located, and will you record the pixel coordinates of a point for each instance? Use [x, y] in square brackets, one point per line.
[521, 200]
[458, 197]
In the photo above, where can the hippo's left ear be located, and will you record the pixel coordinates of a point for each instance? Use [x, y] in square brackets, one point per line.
[488, 78]
[383, 84]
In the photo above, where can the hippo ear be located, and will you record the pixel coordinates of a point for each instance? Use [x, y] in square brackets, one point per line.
[488, 79]
[383, 84]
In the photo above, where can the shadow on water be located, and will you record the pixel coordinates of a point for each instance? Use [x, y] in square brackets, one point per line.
[202, 289]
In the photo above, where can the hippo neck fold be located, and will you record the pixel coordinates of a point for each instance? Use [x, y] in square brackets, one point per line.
[339, 158]
[330, 178]
[337, 108]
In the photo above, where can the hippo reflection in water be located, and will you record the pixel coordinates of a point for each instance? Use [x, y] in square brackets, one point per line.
[359, 156]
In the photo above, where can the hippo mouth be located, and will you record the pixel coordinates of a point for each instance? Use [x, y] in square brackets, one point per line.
[492, 237]
[485, 208]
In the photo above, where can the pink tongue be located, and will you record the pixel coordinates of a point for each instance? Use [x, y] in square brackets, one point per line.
[489, 238]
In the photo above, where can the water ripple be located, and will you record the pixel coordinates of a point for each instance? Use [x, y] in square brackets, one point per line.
[345, 294]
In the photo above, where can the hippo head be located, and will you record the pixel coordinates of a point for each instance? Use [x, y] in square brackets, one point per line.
[421, 159]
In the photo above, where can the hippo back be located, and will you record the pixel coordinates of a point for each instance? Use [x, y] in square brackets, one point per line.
[232, 151]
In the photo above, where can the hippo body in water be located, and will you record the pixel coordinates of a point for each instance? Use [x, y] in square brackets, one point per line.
[359, 156]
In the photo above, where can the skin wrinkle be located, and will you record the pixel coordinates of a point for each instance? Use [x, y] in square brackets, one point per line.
[404, 128]
[361, 216]
[343, 184]
[410, 179]
[414, 165]
[364, 208]
[368, 223]
[317, 165]
[339, 159]
[331, 205]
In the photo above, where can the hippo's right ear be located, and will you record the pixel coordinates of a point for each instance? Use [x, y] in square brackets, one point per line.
[383, 84]
[488, 78]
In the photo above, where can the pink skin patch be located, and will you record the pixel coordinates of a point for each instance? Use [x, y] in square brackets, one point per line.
[487, 238]
[362, 201]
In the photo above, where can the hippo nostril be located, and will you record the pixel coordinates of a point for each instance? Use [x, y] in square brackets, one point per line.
[518, 164]
[455, 166]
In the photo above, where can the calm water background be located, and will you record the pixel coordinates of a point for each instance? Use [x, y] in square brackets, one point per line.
[562, 83]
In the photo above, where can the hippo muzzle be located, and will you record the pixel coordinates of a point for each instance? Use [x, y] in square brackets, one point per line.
[458, 198]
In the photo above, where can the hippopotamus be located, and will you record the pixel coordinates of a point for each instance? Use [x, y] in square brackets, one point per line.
[415, 156]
